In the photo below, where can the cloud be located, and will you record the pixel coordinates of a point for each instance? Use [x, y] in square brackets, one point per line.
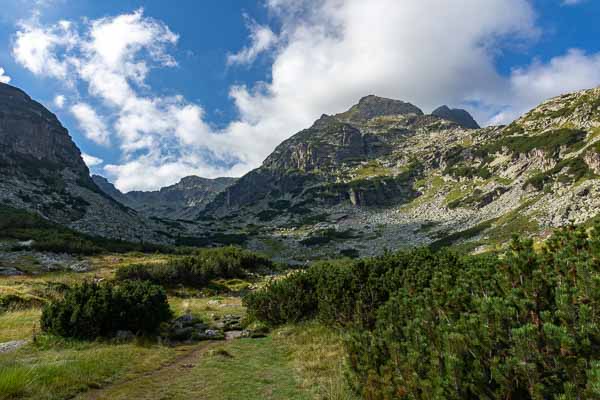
[4, 78]
[326, 55]
[331, 53]
[539, 81]
[262, 39]
[35, 48]
[572, 2]
[91, 161]
[59, 101]
[92, 125]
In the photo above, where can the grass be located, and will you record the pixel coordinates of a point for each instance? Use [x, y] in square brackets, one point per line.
[372, 169]
[209, 307]
[55, 369]
[318, 355]
[17, 325]
[294, 362]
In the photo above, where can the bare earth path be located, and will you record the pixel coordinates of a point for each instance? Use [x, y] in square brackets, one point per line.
[145, 386]
[248, 369]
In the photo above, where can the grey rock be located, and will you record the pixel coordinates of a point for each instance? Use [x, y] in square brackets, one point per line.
[41, 170]
[458, 115]
[13, 345]
[179, 201]
[124, 336]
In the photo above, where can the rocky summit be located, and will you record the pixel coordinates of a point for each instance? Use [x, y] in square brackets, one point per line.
[381, 175]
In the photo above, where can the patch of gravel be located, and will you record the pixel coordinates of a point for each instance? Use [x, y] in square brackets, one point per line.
[13, 345]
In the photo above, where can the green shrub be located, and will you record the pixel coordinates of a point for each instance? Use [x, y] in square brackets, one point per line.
[567, 171]
[423, 324]
[92, 310]
[550, 142]
[200, 269]
[286, 300]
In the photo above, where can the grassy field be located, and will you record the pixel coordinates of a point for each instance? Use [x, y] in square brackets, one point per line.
[294, 362]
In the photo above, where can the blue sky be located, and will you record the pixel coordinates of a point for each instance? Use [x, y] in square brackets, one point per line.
[152, 91]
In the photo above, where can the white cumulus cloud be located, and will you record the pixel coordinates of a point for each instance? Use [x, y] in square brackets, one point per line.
[530, 85]
[59, 101]
[92, 125]
[3, 77]
[35, 47]
[325, 55]
[91, 161]
[262, 39]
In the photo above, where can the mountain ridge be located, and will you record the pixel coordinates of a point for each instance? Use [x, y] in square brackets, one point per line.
[178, 201]
[381, 175]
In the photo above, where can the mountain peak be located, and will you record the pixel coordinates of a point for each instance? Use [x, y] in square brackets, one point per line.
[372, 106]
[457, 115]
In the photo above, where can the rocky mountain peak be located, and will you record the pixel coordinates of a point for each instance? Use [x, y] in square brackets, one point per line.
[373, 106]
[457, 115]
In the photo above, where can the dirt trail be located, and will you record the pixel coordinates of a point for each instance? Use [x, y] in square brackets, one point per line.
[165, 373]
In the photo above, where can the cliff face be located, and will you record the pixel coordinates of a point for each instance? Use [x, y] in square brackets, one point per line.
[31, 135]
[41, 170]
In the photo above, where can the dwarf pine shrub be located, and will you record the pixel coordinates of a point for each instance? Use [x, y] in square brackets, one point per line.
[92, 310]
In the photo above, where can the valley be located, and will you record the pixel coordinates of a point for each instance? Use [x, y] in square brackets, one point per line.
[381, 253]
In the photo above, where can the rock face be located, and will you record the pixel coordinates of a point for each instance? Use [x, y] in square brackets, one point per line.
[41, 170]
[32, 137]
[180, 201]
[460, 116]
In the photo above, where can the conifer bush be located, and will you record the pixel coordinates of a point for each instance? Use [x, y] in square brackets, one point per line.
[424, 324]
[198, 270]
[92, 310]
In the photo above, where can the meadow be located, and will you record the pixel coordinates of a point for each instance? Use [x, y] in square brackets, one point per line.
[296, 361]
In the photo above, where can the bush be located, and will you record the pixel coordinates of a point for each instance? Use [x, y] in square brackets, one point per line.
[286, 300]
[424, 324]
[93, 310]
[200, 269]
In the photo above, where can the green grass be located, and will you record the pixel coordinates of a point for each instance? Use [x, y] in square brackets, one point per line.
[15, 381]
[294, 362]
[56, 369]
[17, 325]
[372, 169]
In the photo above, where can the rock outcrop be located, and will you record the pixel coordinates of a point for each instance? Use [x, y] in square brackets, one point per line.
[458, 115]
[385, 175]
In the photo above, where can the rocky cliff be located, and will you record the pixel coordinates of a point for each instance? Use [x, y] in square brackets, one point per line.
[41, 170]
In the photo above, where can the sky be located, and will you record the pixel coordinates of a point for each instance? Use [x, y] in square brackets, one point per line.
[152, 91]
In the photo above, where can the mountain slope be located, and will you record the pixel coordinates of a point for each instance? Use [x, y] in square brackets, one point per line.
[179, 201]
[41, 170]
[384, 175]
